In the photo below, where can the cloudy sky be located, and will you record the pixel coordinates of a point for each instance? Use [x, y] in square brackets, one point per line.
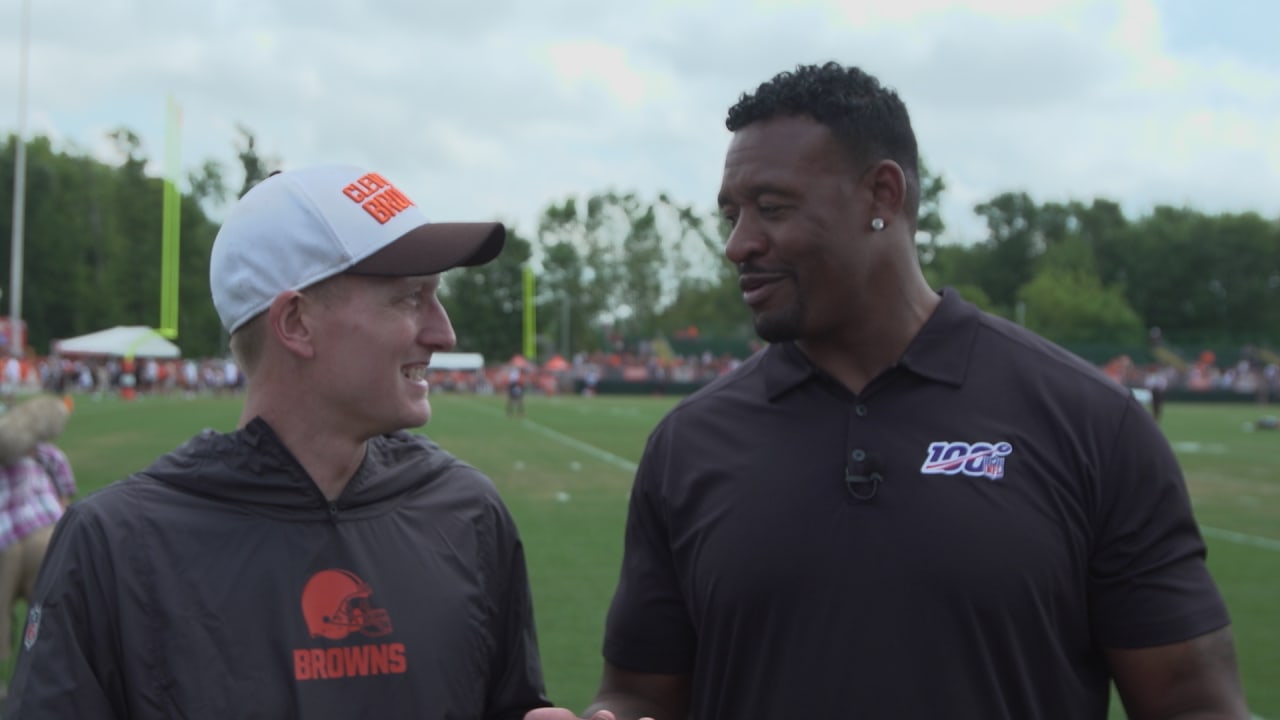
[497, 108]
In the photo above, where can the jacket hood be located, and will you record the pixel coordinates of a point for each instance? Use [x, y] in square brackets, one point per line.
[252, 466]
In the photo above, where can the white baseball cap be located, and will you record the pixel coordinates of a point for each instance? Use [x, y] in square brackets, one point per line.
[298, 227]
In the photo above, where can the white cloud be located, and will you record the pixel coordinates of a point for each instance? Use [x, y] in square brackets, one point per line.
[499, 108]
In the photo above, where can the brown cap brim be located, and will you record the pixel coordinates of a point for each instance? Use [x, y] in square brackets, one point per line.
[435, 247]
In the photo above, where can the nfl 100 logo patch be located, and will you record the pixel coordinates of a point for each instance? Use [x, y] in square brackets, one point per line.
[33, 626]
[980, 459]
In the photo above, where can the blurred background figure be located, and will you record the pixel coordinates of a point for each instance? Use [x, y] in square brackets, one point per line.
[10, 379]
[1158, 384]
[36, 483]
[515, 392]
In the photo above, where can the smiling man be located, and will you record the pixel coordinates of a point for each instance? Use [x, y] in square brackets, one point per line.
[319, 561]
[904, 508]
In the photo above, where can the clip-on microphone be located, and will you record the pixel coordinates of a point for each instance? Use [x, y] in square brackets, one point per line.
[863, 478]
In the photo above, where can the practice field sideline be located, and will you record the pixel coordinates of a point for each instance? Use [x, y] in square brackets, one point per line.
[1228, 535]
[565, 471]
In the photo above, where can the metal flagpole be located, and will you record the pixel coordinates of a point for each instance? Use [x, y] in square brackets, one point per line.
[16, 336]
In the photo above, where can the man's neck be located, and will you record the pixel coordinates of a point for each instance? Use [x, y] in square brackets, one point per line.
[875, 341]
[329, 457]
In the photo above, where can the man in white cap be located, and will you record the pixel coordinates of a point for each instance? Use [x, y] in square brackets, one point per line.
[319, 561]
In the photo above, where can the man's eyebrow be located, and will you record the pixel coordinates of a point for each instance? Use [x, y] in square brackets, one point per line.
[414, 283]
[755, 191]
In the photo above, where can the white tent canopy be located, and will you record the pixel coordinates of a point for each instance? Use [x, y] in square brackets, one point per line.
[120, 341]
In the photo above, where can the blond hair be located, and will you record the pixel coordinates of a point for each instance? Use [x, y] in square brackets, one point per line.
[247, 343]
[249, 340]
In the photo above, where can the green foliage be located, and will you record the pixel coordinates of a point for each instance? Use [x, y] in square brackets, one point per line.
[579, 273]
[1203, 279]
[929, 224]
[1200, 278]
[1067, 303]
[565, 300]
[713, 306]
[618, 263]
[256, 167]
[92, 246]
[615, 262]
[1008, 255]
[975, 295]
[1070, 308]
[640, 291]
[486, 303]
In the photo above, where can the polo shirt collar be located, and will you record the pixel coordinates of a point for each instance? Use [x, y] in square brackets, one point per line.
[940, 351]
[785, 367]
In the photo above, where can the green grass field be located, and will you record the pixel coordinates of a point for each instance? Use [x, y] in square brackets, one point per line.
[565, 471]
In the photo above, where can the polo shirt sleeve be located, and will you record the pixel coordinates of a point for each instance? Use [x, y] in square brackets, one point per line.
[68, 664]
[648, 628]
[1148, 583]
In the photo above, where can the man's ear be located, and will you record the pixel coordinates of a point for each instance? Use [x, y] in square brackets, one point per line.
[888, 186]
[289, 324]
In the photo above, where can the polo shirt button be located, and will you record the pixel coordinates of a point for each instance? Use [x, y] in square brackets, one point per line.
[860, 409]
[859, 455]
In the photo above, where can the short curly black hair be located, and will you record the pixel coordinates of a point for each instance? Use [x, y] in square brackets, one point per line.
[869, 119]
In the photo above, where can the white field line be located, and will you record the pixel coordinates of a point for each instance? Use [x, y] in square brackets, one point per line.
[1241, 538]
[576, 444]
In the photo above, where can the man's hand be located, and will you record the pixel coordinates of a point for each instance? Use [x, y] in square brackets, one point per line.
[563, 714]
[629, 696]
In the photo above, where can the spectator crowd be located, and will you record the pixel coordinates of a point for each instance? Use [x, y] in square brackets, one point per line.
[652, 364]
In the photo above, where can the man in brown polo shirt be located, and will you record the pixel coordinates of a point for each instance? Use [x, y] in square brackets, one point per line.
[904, 507]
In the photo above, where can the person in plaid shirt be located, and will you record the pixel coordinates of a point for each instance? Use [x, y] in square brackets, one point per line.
[35, 487]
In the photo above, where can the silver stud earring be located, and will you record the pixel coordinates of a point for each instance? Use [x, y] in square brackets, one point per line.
[877, 224]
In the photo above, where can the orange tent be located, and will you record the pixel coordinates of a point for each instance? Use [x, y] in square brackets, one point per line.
[556, 364]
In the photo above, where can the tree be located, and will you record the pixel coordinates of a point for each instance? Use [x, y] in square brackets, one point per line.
[208, 184]
[54, 283]
[929, 224]
[560, 289]
[134, 273]
[129, 145]
[641, 291]
[710, 301]
[1066, 301]
[574, 285]
[486, 303]
[1202, 279]
[713, 306]
[961, 267]
[256, 167]
[1011, 247]
[92, 246]
[1084, 271]
[1101, 220]
[620, 260]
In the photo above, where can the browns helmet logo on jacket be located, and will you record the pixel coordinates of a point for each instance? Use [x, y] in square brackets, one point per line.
[335, 603]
